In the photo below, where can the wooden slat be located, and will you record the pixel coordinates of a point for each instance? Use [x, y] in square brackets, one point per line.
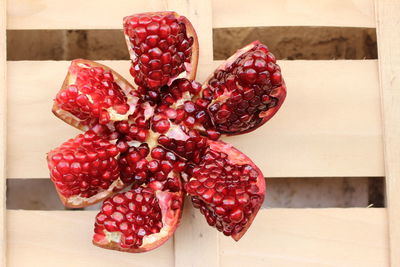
[195, 243]
[343, 13]
[75, 14]
[191, 238]
[63, 238]
[311, 238]
[389, 69]
[3, 131]
[329, 125]
[278, 237]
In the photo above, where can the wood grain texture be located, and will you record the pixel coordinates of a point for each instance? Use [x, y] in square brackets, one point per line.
[194, 233]
[196, 243]
[278, 237]
[49, 14]
[64, 238]
[388, 19]
[3, 131]
[329, 125]
[253, 13]
[311, 238]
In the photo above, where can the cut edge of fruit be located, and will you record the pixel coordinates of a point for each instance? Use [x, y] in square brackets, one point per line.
[111, 240]
[81, 202]
[236, 156]
[70, 79]
[227, 63]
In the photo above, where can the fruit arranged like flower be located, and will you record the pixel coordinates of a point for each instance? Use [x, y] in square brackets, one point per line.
[160, 136]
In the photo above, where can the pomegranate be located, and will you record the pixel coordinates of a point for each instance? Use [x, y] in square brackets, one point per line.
[159, 137]
[162, 46]
[245, 91]
[85, 170]
[227, 187]
[138, 220]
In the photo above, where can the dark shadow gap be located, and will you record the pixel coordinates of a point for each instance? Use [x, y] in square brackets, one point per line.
[39, 194]
[285, 42]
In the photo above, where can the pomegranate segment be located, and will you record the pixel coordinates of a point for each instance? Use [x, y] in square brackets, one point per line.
[138, 220]
[162, 45]
[93, 94]
[84, 170]
[227, 188]
[245, 91]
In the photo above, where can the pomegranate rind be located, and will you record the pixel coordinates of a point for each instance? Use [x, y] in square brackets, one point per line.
[70, 78]
[190, 32]
[237, 157]
[169, 217]
[76, 203]
[279, 92]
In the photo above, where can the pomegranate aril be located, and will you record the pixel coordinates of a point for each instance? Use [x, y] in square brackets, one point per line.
[87, 169]
[217, 189]
[163, 39]
[238, 86]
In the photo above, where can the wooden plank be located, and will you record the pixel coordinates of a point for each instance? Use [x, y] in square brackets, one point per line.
[253, 13]
[278, 237]
[74, 14]
[194, 239]
[63, 238]
[196, 243]
[311, 238]
[387, 13]
[329, 126]
[48, 14]
[3, 132]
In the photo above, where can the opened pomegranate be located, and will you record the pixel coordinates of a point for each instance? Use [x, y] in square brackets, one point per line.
[162, 45]
[138, 220]
[227, 188]
[246, 90]
[159, 137]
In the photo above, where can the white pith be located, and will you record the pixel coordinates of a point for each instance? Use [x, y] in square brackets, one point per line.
[78, 200]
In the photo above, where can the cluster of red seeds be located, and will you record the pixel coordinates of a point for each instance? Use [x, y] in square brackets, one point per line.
[159, 137]
[161, 47]
[93, 92]
[140, 166]
[225, 193]
[84, 166]
[248, 82]
[135, 214]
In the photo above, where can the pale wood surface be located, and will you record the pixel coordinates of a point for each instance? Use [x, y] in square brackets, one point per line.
[278, 237]
[50, 14]
[329, 125]
[3, 131]
[64, 238]
[311, 238]
[389, 69]
[194, 237]
[196, 243]
[344, 13]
